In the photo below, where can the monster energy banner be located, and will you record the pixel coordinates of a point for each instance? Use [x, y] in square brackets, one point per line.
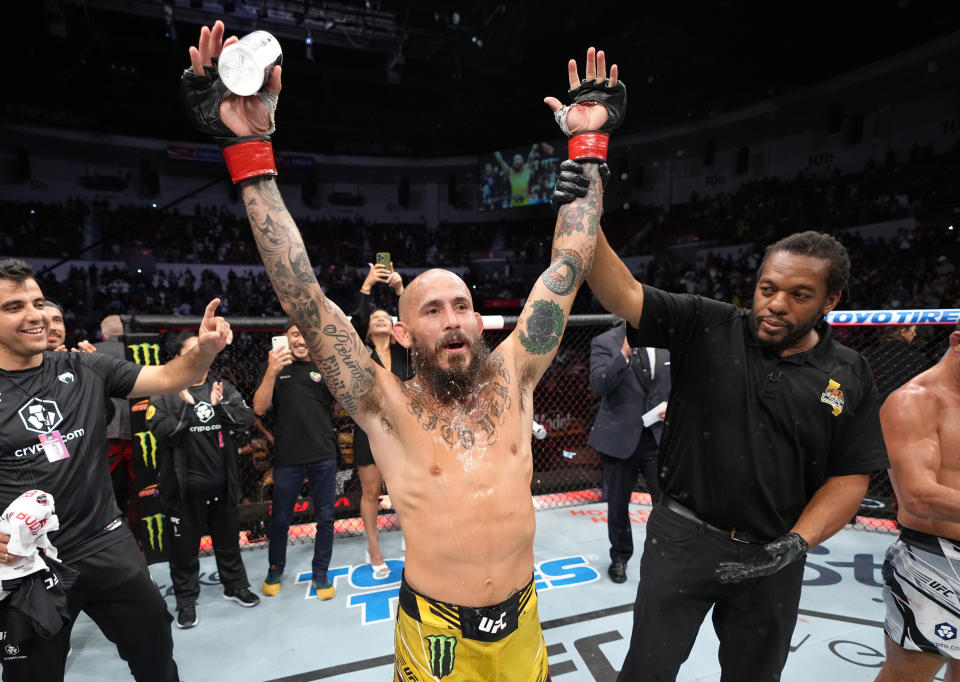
[146, 349]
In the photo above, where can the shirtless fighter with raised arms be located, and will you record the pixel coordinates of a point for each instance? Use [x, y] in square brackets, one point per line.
[453, 443]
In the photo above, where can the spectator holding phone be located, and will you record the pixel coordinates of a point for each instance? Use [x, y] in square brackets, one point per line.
[304, 447]
[376, 329]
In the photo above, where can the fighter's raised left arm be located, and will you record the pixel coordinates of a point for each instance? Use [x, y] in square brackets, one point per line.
[598, 107]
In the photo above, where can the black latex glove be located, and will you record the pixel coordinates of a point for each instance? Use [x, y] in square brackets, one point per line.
[783, 551]
[572, 183]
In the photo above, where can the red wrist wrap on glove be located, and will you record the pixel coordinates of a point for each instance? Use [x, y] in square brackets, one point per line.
[250, 159]
[588, 147]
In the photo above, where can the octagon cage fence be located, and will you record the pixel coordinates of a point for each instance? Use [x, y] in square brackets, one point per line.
[566, 471]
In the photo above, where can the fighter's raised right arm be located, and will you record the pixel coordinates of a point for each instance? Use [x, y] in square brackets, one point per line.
[334, 345]
[242, 125]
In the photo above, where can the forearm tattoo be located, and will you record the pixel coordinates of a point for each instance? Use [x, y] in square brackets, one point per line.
[583, 214]
[336, 349]
[563, 275]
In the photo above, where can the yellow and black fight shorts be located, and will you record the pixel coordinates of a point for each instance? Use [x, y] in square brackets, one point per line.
[439, 641]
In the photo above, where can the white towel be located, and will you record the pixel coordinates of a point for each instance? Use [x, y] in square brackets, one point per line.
[27, 521]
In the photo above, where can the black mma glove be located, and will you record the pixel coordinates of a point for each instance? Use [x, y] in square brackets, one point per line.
[783, 551]
[572, 183]
[246, 157]
[591, 145]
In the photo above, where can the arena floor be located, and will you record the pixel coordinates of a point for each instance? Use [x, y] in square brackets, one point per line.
[586, 618]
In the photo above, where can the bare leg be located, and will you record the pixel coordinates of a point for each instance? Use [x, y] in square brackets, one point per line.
[370, 483]
[909, 666]
[953, 671]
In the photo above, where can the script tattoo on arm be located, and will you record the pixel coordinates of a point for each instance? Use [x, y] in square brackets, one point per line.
[334, 345]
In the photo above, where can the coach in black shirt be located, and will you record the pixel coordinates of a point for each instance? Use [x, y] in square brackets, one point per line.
[771, 431]
[53, 421]
[305, 447]
[200, 486]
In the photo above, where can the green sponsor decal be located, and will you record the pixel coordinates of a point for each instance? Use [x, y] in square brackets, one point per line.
[145, 353]
[154, 525]
[148, 448]
[441, 654]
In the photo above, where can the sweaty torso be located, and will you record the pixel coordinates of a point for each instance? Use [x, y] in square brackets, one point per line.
[459, 477]
[945, 413]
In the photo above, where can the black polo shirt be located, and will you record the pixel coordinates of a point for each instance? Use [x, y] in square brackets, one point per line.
[750, 436]
[302, 409]
[64, 400]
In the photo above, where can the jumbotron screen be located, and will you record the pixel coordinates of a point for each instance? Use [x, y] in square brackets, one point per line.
[521, 176]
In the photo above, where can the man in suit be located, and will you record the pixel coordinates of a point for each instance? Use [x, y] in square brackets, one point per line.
[630, 383]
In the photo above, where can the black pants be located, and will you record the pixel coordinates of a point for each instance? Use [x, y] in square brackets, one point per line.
[619, 480]
[113, 588]
[753, 619]
[223, 522]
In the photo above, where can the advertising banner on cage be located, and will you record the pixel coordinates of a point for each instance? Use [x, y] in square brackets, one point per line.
[146, 349]
[893, 317]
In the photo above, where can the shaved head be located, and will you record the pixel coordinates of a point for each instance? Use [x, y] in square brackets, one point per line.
[422, 285]
[444, 333]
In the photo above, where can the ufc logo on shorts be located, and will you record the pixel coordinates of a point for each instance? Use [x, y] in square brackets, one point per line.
[492, 627]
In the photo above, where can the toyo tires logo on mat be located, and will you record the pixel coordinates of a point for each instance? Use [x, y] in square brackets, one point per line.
[377, 599]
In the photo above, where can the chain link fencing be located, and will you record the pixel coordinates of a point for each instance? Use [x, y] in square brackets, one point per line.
[566, 471]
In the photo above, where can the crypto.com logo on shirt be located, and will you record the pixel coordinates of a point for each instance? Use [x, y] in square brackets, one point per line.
[40, 416]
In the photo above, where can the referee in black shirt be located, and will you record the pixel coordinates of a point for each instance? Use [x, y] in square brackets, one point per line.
[53, 420]
[771, 432]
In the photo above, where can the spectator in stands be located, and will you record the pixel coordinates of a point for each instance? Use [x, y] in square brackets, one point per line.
[376, 329]
[305, 447]
[199, 484]
[894, 360]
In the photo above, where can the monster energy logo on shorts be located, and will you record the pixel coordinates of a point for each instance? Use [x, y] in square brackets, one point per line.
[148, 448]
[441, 654]
[155, 535]
[149, 352]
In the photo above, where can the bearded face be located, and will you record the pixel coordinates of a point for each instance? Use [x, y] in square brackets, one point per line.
[785, 334]
[463, 372]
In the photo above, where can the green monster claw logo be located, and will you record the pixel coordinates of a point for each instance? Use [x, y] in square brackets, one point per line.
[155, 538]
[441, 654]
[148, 448]
[150, 353]
[544, 326]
